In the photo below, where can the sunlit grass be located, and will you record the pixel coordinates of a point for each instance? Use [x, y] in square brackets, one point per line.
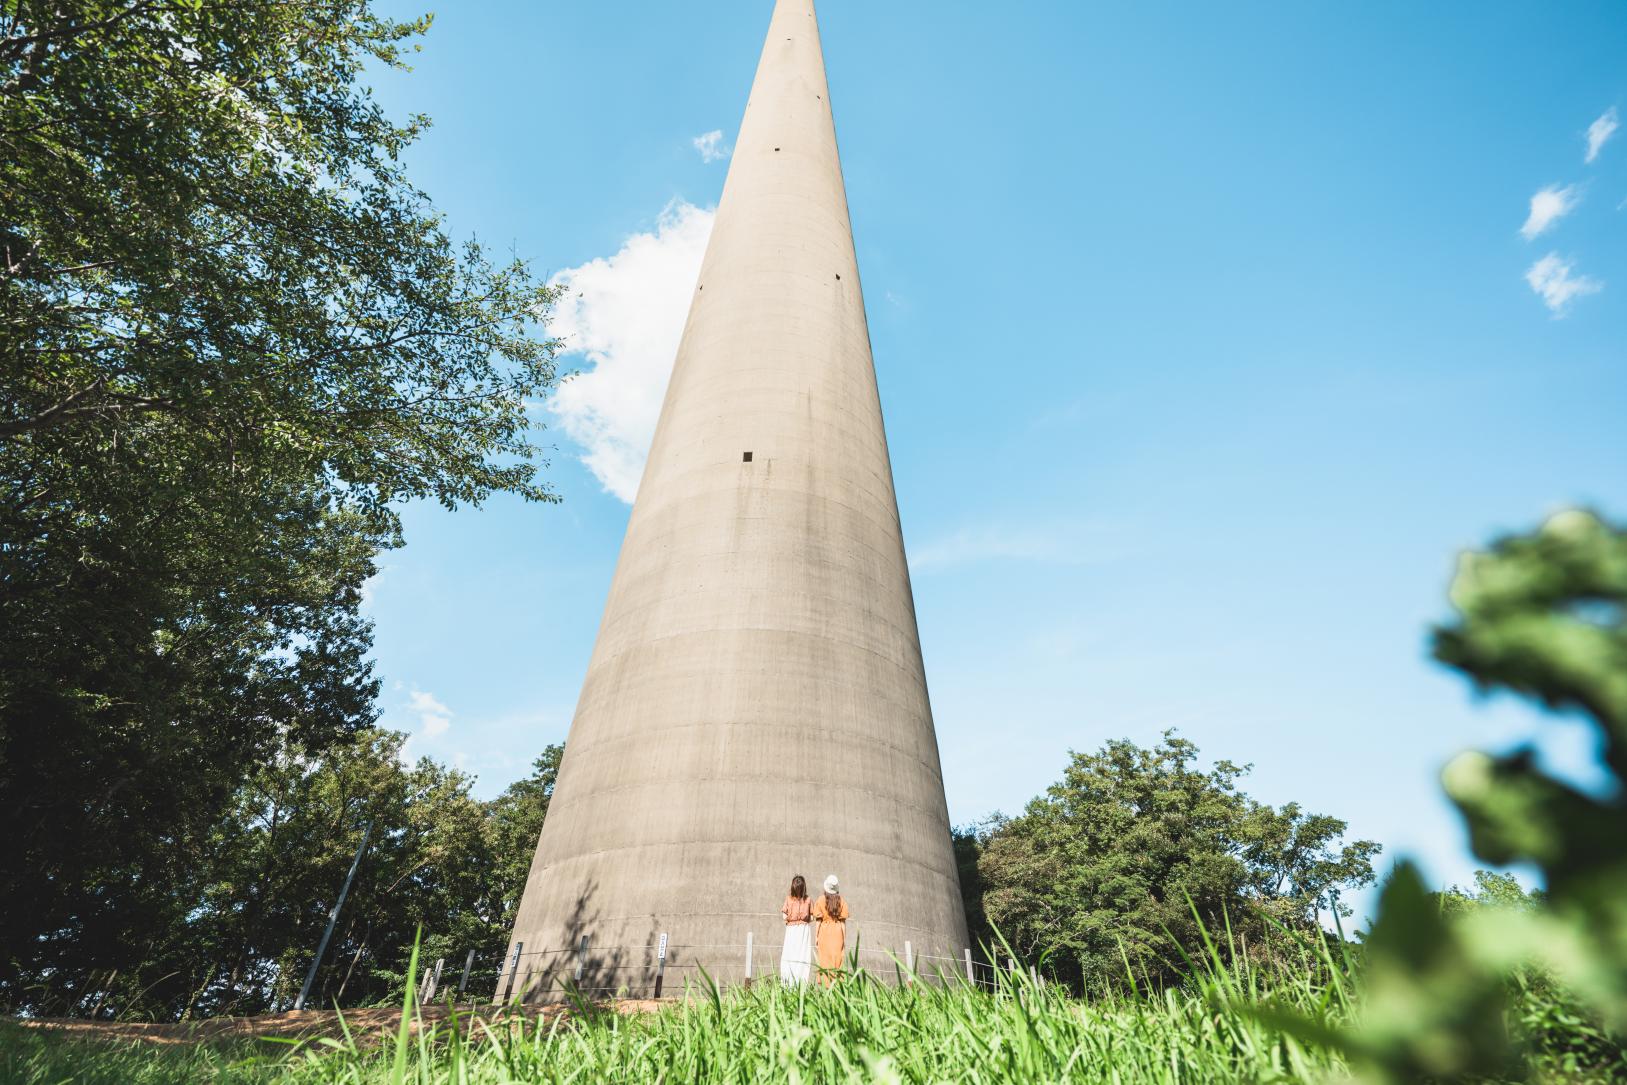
[862, 1030]
[31, 1057]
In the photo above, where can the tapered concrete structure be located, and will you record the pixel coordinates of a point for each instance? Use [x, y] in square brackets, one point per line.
[756, 705]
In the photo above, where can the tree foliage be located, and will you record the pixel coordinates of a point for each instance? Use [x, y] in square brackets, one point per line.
[233, 336]
[251, 911]
[514, 826]
[1124, 858]
[1491, 890]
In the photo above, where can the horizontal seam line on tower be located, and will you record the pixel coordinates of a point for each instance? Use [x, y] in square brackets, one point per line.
[918, 678]
[743, 843]
[645, 735]
[890, 524]
[690, 781]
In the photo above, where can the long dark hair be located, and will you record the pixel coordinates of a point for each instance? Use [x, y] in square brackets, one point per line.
[799, 888]
[833, 905]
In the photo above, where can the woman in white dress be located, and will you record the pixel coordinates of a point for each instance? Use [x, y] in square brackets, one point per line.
[796, 959]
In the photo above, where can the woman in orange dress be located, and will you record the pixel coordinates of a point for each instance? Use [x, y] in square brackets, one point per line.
[831, 914]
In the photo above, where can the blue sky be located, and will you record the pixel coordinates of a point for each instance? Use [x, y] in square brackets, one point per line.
[1207, 335]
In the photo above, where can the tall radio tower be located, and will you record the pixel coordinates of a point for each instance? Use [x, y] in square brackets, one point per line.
[756, 705]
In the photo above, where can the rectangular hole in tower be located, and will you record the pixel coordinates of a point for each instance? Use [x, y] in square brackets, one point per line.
[745, 458]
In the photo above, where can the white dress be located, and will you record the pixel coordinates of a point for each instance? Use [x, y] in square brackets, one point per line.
[796, 959]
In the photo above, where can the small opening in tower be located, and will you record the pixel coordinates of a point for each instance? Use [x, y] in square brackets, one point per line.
[776, 148]
[838, 276]
[745, 458]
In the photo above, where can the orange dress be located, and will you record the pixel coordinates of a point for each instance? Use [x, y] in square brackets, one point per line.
[830, 939]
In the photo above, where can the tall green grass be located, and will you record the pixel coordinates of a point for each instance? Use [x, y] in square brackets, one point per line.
[861, 1030]
[1218, 1028]
[32, 1057]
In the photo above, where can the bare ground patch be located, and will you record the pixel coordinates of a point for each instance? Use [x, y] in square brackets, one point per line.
[366, 1025]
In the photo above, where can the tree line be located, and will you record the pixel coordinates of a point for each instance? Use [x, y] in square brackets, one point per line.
[234, 932]
[1119, 873]
[1116, 866]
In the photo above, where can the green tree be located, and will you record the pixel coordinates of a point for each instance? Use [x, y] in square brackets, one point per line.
[1491, 890]
[968, 842]
[233, 337]
[437, 862]
[513, 824]
[1133, 849]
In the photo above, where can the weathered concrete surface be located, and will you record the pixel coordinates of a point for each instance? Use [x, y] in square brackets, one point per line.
[756, 705]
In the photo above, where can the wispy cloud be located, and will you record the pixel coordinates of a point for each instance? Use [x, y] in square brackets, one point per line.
[626, 314]
[1548, 207]
[430, 720]
[1057, 544]
[1599, 133]
[710, 146]
[434, 718]
[1554, 280]
[1060, 642]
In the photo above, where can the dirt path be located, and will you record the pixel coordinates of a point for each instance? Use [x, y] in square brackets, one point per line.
[366, 1026]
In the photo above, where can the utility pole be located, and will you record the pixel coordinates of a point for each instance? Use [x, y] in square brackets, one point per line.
[333, 919]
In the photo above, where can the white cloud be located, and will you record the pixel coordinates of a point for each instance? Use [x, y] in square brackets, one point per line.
[1548, 207]
[626, 314]
[1599, 133]
[711, 146]
[434, 718]
[1554, 282]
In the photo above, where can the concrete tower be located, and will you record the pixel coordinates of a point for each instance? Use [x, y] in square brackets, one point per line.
[755, 706]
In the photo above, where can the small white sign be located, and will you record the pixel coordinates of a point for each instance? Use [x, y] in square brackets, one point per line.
[661, 952]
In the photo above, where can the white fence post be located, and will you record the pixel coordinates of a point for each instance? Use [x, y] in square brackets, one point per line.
[581, 959]
[970, 976]
[748, 958]
[909, 962]
[432, 982]
[660, 963]
[514, 973]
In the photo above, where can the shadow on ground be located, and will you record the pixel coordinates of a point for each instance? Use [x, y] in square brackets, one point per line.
[369, 1025]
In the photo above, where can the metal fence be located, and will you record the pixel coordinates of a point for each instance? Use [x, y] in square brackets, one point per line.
[650, 971]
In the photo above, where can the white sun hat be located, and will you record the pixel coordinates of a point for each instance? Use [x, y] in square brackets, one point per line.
[831, 886]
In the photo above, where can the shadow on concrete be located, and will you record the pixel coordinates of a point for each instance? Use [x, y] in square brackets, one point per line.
[586, 970]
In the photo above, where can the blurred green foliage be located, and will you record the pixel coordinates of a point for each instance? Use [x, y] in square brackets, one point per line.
[1545, 616]
[1503, 983]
